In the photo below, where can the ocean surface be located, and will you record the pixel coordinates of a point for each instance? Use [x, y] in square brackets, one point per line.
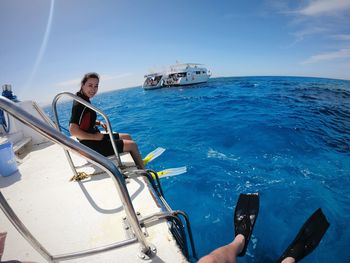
[287, 138]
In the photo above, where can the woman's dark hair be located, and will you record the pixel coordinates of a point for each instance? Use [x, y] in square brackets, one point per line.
[91, 75]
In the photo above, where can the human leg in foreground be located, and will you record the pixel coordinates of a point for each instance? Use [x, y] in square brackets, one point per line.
[246, 212]
[308, 238]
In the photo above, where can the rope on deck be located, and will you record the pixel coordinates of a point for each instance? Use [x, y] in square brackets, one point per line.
[82, 175]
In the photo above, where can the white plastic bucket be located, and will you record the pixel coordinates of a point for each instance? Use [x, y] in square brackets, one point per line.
[8, 163]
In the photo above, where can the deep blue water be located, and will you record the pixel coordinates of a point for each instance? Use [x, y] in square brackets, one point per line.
[284, 137]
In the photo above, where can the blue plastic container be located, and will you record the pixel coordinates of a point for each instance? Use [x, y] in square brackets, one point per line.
[8, 163]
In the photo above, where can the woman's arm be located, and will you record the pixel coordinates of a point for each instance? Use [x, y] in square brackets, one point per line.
[83, 135]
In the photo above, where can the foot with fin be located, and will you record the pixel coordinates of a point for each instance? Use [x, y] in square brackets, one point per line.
[172, 171]
[246, 212]
[153, 155]
[308, 238]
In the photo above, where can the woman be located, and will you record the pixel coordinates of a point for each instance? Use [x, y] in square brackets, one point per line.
[83, 125]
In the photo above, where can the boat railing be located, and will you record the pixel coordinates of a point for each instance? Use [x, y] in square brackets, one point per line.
[93, 157]
[42, 114]
[88, 105]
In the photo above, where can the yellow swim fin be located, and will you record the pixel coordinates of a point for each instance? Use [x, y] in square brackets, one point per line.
[153, 155]
[171, 172]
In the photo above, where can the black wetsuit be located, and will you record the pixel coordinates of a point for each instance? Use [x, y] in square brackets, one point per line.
[85, 118]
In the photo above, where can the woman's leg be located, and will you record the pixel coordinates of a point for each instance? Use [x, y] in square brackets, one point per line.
[125, 136]
[131, 146]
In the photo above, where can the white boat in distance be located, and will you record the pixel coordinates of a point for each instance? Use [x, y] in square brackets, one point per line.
[177, 75]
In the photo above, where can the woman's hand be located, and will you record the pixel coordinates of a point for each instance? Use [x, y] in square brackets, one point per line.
[102, 124]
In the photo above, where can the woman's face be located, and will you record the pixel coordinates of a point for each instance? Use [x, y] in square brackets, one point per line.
[90, 87]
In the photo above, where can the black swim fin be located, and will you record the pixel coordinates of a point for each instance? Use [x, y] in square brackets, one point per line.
[246, 212]
[308, 238]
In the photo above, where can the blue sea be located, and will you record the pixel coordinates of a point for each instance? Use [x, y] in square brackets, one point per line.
[287, 138]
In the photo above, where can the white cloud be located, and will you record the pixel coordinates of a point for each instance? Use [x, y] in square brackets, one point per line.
[67, 83]
[104, 77]
[342, 53]
[326, 19]
[325, 7]
[300, 35]
[111, 77]
[344, 37]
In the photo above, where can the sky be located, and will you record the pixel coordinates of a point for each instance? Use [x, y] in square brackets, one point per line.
[46, 46]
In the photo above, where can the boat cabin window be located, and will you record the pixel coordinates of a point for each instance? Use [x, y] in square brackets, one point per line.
[198, 72]
[152, 81]
[181, 74]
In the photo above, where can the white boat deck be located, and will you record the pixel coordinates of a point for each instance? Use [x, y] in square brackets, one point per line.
[67, 216]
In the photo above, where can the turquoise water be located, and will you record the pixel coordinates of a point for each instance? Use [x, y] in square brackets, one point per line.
[284, 137]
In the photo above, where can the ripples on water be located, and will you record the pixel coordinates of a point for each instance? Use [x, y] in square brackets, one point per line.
[287, 138]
